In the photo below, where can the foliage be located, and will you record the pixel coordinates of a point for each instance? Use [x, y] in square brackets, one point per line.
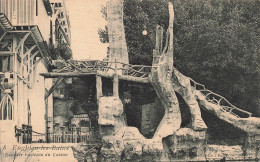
[103, 35]
[216, 42]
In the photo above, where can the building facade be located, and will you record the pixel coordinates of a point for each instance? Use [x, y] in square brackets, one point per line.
[33, 33]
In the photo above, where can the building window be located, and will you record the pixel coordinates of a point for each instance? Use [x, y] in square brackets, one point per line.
[6, 63]
[65, 30]
[6, 108]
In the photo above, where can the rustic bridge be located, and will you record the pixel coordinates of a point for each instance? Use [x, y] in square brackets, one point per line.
[135, 73]
[77, 68]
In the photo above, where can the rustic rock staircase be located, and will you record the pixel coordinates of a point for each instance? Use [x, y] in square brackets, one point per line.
[219, 100]
[167, 80]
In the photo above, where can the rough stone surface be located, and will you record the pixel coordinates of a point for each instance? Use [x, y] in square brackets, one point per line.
[120, 141]
[161, 81]
[116, 34]
[61, 113]
[252, 146]
[112, 123]
[187, 144]
[152, 150]
[133, 143]
[217, 152]
[123, 143]
[110, 111]
[166, 80]
[151, 117]
[112, 148]
[250, 125]
[84, 152]
[181, 84]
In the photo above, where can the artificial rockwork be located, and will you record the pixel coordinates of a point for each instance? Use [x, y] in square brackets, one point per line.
[187, 144]
[171, 141]
[120, 142]
[112, 124]
[166, 80]
[250, 124]
[116, 34]
[160, 78]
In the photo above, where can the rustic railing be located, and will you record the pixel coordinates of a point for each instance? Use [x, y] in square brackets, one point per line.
[141, 71]
[219, 100]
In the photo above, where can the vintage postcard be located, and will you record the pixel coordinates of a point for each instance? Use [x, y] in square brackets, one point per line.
[129, 80]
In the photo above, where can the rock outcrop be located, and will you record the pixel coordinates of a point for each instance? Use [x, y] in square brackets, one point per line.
[166, 80]
[119, 141]
[170, 142]
[112, 125]
[187, 144]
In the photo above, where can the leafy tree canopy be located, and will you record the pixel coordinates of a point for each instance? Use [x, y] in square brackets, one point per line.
[216, 42]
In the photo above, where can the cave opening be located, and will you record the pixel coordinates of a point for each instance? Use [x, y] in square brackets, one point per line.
[185, 112]
[222, 133]
[143, 109]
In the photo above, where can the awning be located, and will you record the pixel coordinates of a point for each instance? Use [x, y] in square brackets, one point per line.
[43, 45]
[37, 38]
[6, 24]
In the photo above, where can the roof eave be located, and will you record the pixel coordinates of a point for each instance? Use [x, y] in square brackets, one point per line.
[5, 22]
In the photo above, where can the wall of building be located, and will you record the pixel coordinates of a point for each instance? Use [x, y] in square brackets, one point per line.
[37, 102]
[29, 97]
[7, 133]
[25, 13]
[19, 12]
[43, 21]
[49, 103]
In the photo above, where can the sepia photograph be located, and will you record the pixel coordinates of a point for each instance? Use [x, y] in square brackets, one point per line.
[129, 80]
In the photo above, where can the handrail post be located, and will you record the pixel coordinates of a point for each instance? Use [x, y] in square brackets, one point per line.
[115, 82]
[115, 71]
[63, 134]
[72, 134]
[48, 140]
[98, 87]
[78, 134]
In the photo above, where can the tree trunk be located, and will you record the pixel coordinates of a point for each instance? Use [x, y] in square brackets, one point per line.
[161, 81]
[166, 81]
[116, 32]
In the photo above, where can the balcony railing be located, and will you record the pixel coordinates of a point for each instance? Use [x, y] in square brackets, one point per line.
[59, 138]
[26, 135]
